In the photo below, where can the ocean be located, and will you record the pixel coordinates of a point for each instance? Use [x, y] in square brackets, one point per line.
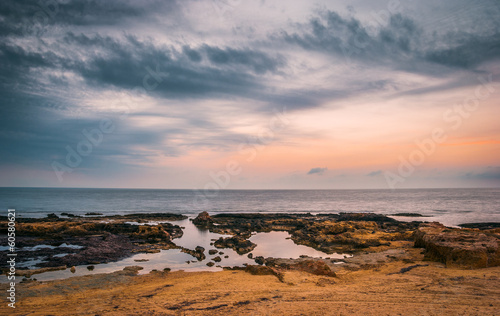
[448, 206]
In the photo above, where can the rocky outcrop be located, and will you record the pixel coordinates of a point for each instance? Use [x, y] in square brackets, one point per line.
[466, 248]
[348, 236]
[203, 219]
[198, 253]
[237, 243]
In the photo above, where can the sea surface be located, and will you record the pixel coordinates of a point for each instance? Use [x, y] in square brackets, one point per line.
[448, 206]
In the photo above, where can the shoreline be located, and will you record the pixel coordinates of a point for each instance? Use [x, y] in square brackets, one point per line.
[96, 239]
[389, 266]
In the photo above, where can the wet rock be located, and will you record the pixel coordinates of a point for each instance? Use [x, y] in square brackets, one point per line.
[408, 215]
[366, 217]
[259, 260]
[481, 226]
[210, 264]
[52, 216]
[132, 270]
[197, 253]
[203, 219]
[93, 214]
[466, 248]
[212, 251]
[90, 268]
[217, 259]
[29, 273]
[250, 256]
[237, 243]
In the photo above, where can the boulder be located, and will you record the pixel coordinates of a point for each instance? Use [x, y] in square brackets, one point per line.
[467, 248]
[203, 219]
[237, 243]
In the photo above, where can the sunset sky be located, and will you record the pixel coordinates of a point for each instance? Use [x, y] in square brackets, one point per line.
[233, 94]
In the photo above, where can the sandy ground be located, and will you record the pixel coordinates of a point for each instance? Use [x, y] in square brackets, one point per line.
[429, 290]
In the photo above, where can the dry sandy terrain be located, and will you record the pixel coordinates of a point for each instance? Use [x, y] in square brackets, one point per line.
[428, 290]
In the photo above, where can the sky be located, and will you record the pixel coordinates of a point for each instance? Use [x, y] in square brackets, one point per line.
[233, 94]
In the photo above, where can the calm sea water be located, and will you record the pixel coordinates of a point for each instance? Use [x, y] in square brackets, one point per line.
[449, 206]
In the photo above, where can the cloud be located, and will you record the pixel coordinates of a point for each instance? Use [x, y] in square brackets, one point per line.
[317, 171]
[374, 173]
[401, 44]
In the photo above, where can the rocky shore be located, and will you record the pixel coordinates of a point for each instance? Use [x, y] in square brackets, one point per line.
[389, 250]
[94, 239]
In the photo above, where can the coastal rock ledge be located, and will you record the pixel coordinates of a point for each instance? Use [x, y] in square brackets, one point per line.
[466, 248]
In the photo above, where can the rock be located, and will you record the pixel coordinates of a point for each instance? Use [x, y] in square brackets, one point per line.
[93, 214]
[203, 219]
[263, 270]
[317, 267]
[481, 226]
[250, 256]
[167, 270]
[73, 269]
[237, 243]
[198, 254]
[259, 260]
[466, 248]
[367, 217]
[132, 270]
[90, 268]
[210, 264]
[212, 251]
[199, 249]
[408, 215]
[29, 273]
[217, 259]
[52, 216]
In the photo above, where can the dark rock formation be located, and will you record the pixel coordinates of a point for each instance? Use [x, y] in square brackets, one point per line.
[259, 260]
[203, 219]
[237, 243]
[198, 253]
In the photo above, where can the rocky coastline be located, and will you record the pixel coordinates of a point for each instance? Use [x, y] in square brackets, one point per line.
[368, 237]
[386, 260]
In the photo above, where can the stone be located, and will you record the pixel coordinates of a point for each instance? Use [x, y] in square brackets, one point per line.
[467, 248]
[203, 219]
[237, 243]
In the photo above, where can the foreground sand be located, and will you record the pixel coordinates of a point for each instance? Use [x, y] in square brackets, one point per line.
[428, 290]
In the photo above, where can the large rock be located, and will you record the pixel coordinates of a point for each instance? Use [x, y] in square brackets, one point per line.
[237, 243]
[468, 248]
[203, 219]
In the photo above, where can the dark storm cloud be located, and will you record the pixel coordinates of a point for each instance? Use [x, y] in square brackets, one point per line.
[28, 15]
[399, 44]
[124, 64]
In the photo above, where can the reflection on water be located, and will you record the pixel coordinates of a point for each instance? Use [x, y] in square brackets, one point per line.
[272, 244]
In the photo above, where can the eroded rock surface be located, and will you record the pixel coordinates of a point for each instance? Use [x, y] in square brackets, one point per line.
[469, 248]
